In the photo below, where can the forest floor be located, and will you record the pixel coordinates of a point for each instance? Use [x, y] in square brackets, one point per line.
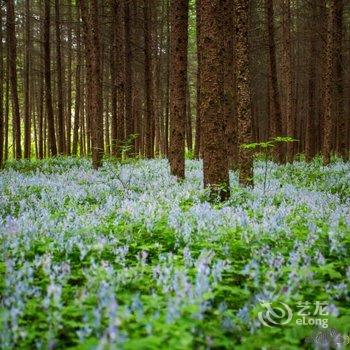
[128, 258]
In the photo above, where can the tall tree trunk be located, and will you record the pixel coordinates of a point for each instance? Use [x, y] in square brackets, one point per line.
[90, 17]
[149, 112]
[12, 56]
[77, 89]
[229, 81]
[213, 123]
[129, 121]
[244, 109]
[27, 121]
[167, 82]
[48, 92]
[288, 78]
[7, 107]
[60, 115]
[197, 146]
[41, 89]
[328, 119]
[69, 81]
[339, 83]
[178, 83]
[2, 125]
[117, 70]
[276, 117]
[310, 118]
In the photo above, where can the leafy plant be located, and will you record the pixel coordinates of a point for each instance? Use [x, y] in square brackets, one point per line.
[265, 147]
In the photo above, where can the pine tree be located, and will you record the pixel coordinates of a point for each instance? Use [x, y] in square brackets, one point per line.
[244, 109]
[215, 161]
[178, 82]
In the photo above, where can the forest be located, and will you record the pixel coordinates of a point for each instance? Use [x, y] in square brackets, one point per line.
[174, 174]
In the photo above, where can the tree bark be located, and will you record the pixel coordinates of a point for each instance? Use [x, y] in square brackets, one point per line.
[229, 81]
[328, 119]
[244, 109]
[48, 92]
[276, 117]
[77, 116]
[12, 56]
[2, 125]
[90, 18]
[129, 121]
[27, 121]
[339, 84]
[149, 113]
[213, 123]
[310, 118]
[69, 82]
[60, 114]
[178, 84]
[288, 78]
[197, 146]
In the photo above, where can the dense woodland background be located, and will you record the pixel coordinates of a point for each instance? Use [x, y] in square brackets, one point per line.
[151, 77]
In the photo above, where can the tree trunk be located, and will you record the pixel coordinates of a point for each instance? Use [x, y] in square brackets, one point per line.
[310, 118]
[149, 113]
[288, 79]
[118, 101]
[69, 82]
[2, 125]
[90, 19]
[197, 146]
[215, 162]
[178, 84]
[129, 121]
[339, 84]
[27, 121]
[12, 56]
[48, 92]
[328, 119]
[77, 90]
[276, 117]
[60, 115]
[244, 110]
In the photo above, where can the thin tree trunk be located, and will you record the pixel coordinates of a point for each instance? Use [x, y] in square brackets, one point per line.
[197, 147]
[12, 56]
[129, 121]
[27, 122]
[1, 95]
[339, 84]
[149, 113]
[167, 82]
[244, 109]
[310, 121]
[77, 89]
[48, 92]
[328, 119]
[60, 116]
[276, 117]
[178, 83]
[69, 82]
[91, 27]
[287, 72]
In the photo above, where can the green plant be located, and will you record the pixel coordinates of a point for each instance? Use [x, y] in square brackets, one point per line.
[266, 146]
